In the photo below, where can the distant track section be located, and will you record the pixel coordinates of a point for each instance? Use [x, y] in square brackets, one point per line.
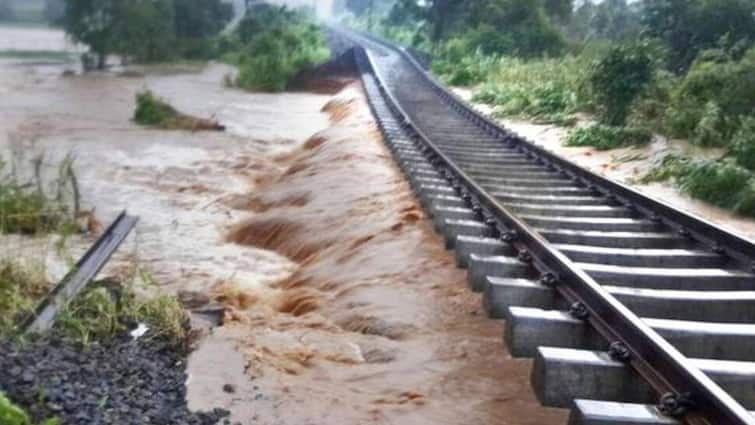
[634, 311]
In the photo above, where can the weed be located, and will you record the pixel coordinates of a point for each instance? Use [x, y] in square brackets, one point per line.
[21, 287]
[669, 167]
[106, 310]
[605, 137]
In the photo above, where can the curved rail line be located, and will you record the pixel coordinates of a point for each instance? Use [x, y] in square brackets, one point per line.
[635, 312]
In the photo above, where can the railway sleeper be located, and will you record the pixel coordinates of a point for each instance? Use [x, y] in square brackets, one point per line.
[618, 224]
[562, 375]
[528, 328]
[481, 266]
[500, 293]
[691, 279]
[484, 246]
[613, 239]
[599, 412]
[640, 257]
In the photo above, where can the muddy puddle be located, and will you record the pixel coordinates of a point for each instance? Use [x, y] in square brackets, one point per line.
[627, 165]
[342, 307]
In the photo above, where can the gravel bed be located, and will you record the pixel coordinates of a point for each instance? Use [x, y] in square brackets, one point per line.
[124, 382]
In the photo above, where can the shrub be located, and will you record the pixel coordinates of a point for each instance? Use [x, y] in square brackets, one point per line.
[465, 71]
[151, 110]
[717, 93]
[743, 144]
[721, 183]
[618, 78]
[604, 137]
[155, 112]
[276, 44]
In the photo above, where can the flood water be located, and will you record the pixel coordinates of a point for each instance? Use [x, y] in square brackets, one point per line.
[342, 306]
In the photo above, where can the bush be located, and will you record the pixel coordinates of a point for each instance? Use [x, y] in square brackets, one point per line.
[716, 94]
[618, 78]
[721, 183]
[155, 112]
[275, 45]
[743, 144]
[465, 71]
[604, 137]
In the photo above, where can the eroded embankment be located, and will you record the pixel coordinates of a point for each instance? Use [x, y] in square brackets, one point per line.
[376, 324]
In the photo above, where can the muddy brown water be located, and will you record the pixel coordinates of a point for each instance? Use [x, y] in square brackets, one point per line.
[343, 306]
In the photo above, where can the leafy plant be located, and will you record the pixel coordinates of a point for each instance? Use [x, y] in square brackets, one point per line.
[155, 112]
[720, 183]
[11, 414]
[743, 144]
[618, 78]
[273, 44]
[21, 287]
[604, 137]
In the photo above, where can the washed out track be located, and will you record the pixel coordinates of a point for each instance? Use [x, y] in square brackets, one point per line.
[634, 312]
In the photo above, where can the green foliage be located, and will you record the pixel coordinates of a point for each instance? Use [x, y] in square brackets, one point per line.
[670, 167]
[713, 98]
[464, 70]
[10, 414]
[743, 144]
[26, 209]
[21, 287]
[618, 78]
[604, 137]
[151, 110]
[105, 311]
[146, 31]
[549, 90]
[273, 44]
[688, 27]
[155, 112]
[721, 183]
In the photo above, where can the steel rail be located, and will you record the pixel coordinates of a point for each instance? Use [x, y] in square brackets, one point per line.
[662, 365]
[80, 275]
[720, 240]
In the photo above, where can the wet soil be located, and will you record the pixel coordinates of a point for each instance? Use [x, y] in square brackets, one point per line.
[376, 324]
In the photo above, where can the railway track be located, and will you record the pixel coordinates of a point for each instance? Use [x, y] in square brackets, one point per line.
[634, 312]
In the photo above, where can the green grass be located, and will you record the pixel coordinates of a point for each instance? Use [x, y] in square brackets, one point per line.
[26, 209]
[546, 90]
[106, 310]
[21, 287]
[603, 137]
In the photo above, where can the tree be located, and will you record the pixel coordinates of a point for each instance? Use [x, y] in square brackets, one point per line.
[689, 26]
[195, 22]
[54, 10]
[92, 22]
[143, 30]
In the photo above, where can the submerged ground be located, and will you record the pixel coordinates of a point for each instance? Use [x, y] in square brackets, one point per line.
[342, 306]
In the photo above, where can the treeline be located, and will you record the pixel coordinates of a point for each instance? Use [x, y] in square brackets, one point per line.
[681, 68]
[272, 44]
[146, 30]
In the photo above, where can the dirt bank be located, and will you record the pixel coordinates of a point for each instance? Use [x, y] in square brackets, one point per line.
[376, 324]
